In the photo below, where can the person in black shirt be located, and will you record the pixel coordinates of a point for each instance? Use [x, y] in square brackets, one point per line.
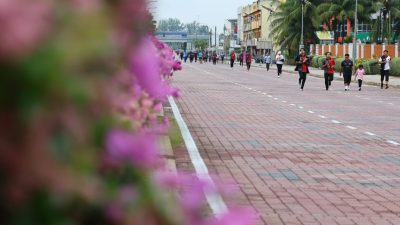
[347, 70]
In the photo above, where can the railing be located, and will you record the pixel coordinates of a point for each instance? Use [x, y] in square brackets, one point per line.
[366, 51]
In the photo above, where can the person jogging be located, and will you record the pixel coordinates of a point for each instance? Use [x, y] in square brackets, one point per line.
[222, 57]
[248, 60]
[267, 60]
[233, 57]
[280, 59]
[347, 70]
[384, 60]
[359, 76]
[200, 55]
[302, 67]
[328, 65]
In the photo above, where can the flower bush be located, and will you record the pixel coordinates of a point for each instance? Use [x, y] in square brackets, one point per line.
[81, 86]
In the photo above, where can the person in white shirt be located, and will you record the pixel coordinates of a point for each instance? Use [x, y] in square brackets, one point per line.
[267, 60]
[384, 60]
[279, 62]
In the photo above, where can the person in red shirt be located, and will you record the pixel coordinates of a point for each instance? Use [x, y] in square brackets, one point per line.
[302, 67]
[233, 57]
[328, 65]
[248, 60]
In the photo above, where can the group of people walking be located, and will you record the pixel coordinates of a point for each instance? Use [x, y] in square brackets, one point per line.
[202, 56]
[302, 63]
[244, 56]
[346, 68]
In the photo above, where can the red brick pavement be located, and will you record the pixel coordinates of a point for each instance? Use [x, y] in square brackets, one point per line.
[293, 164]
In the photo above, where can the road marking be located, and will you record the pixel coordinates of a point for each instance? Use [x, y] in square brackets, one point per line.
[269, 96]
[293, 104]
[321, 116]
[392, 142]
[311, 112]
[350, 127]
[250, 88]
[264, 93]
[390, 103]
[284, 101]
[259, 91]
[276, 98]
[370, 134]
[215, 200]
[301, 107]
[335, 121]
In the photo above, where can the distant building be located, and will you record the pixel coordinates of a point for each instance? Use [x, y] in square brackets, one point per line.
[231, 35]
[181, 40]
[255, 19]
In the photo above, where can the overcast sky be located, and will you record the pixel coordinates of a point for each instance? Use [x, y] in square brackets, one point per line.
[208, 12]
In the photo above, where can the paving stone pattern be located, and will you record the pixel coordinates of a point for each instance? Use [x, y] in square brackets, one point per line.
[311, 157]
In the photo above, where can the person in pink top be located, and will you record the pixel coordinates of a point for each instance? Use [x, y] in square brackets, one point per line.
[359, 75]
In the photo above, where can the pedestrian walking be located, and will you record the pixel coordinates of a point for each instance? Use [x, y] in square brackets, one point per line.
[267, 60]
[280, 59]
[241, 59]
[328, 65]
[359, 75]
[302, 61]
[233, 57]
[222, 57]
[347, 70]
[191, 56]
[384, 60]
[195, 56]
[248, 61]
[185, 56]
[181, 55]
[200, 55]
[214, 58]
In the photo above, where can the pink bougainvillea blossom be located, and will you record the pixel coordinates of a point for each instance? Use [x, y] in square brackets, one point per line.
[24, 23]
[139, 149]
[145, 67]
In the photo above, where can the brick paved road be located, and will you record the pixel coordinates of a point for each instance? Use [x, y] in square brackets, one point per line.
[312, 157]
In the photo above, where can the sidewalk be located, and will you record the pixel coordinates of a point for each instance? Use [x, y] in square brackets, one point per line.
[368, 79]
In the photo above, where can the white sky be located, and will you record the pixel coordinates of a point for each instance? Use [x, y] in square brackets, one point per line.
[208, 12]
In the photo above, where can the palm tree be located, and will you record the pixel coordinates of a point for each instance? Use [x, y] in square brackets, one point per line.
[342, 10]
[286, 25]
[389, 13]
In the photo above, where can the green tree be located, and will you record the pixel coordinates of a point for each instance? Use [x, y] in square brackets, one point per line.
[171, 24]
[201, 44]
[286, 25]
[391, 15]
[195, 28]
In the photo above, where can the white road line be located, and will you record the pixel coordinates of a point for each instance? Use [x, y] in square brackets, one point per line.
[215, 200]
[301, 107]
[370, 134]
[293, 104]
[321, 116]
[335, 121]
[269, 96]
[392, 142]
[264, 93]
[311, 112]
[276, 98]
[259, 91]
[350, 127]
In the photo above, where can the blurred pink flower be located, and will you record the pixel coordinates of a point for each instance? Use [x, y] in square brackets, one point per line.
[177, 65]
[24, 23]
[139, 149]
[86, 5]
[145, 66]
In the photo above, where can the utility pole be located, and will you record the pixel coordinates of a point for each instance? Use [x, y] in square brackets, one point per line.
[215, 37]
[355, 33]
[302, 25]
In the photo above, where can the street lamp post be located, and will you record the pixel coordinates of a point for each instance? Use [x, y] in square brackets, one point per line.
[302, 25]
[355, 32]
